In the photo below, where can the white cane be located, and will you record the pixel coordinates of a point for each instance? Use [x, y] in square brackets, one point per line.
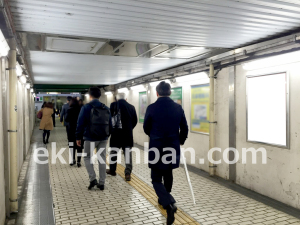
[188, 177]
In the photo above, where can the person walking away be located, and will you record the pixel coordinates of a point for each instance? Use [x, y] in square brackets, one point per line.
[94, 126]
[53, 115]
[81, 103]
[63, 114]
[46, 123]
[71, 119]
[122, 137]
[166, 125]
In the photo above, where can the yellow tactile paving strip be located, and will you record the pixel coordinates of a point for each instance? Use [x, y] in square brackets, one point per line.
[149, 193]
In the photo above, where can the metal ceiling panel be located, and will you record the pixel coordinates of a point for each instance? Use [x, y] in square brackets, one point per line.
[218, 23]
[66, 68]
[179, 23]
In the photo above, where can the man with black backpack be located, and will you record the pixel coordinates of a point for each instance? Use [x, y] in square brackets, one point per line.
[94, 125]
[124, 120]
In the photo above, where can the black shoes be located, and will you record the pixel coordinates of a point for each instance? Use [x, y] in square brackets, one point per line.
[44, 142]
[47, 142]
[171, 210]
[101, 187]
[92, 184]
[79, 164]
[127, 177]
[111, 173]
[72, 163]
[159, 202]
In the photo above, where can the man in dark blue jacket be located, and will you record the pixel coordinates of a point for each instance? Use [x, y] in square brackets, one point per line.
[166, 125]
[63, 115]
[84, 131]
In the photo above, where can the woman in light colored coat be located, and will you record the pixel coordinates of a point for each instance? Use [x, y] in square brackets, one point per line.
[46, 123]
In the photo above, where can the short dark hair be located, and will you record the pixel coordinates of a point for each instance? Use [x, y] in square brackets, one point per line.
[163, 89]
[74, 102]
[95, 92]
[69, 98]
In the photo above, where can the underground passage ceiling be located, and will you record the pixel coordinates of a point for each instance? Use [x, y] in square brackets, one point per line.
[110, 41]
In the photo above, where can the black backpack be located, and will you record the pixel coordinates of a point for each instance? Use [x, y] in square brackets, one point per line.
[99, 122]
[116, 117]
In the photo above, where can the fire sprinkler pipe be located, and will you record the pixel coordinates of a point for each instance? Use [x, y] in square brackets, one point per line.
[212, 117]
[13, 196]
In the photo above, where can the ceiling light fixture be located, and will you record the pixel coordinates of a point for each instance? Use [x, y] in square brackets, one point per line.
[19, 70]
[192, 77]
[23, 79]
[108, 93]
[273, 61]
[28, 86]
[155, 83]
[138, 88]
[123, 90]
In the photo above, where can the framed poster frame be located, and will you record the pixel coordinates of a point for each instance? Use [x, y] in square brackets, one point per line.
[140, 93]
[181, 93]
[287, 88]
[191, 131]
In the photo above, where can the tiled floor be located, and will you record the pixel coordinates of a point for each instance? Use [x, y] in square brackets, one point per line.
[120, 203]
[216, 204]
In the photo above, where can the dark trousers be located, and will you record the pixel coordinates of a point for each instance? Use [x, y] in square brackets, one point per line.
[73, 148]
[163, 190]
[68, 130]
[46, 133]
[128, 160]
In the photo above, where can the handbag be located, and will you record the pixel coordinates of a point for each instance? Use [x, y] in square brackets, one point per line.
[39, 115]
[116, 118]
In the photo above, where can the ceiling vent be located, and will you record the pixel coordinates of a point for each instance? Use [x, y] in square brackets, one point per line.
[72, 45]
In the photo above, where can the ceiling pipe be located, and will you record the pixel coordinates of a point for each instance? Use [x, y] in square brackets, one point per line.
[150, 50]
[212, 122]
[117, 48]
[162, 52]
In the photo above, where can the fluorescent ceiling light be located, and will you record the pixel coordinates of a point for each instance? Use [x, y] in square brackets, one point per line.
[155, 83]
[23, 79]
[273, 61]
[19, 70]
[27, 86]
[31, 90]
[4, 48]
[123, 90]
[138, 88]
[108, 93]
[192, 77]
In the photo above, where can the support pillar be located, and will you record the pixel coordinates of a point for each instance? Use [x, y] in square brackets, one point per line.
[212, 167]
[13, 127]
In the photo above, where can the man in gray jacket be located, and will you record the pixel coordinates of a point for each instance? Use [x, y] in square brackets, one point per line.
[64, 112]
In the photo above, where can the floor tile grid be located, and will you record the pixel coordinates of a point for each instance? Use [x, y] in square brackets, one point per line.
[149, 193]
[215, 204]
[74, 204]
